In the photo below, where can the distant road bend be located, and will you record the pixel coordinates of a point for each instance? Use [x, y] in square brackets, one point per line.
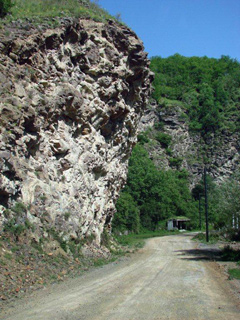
[164, 281]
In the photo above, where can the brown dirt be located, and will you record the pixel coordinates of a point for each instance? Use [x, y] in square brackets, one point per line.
[25, 267]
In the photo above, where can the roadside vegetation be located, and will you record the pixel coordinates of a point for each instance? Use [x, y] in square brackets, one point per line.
[40, 9]
[136, 241]
[27, 264]
[5, 7]
[234, 274]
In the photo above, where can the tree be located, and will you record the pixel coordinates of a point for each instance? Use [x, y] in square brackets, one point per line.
[151, 194]
[5, 6]
[207, 88]
[127, 215]
[226, 205]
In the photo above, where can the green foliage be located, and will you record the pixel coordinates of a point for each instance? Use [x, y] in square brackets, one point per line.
[8, 256]
[137, 240]
[164, 138]
[198, 191]
[75, 247]
[29, 225]
[225, 206]
[213, 237]
[153, 195]
[169, 152]
[143, 138]
[175, 162]
[127, 215]
[67, 215]
[234, 273]
[207, 88]
[159, 125]
[229, 254]
[55, 234]
[12, 227]
[58, 8]
[19, 208]
[5, 7]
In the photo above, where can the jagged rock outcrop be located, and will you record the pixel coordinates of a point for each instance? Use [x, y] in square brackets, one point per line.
[71, 100]
[221, 152]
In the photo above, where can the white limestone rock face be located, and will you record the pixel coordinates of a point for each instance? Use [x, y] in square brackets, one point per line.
[71, 100]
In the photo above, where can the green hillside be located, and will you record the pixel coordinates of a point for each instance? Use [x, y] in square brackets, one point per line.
[208, 89]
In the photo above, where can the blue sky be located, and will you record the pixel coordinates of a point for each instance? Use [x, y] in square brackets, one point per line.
[187, 27]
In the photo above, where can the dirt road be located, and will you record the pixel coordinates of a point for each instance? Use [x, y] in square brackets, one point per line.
[165, 280]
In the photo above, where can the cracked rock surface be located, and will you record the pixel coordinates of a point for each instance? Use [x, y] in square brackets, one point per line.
[71, 100]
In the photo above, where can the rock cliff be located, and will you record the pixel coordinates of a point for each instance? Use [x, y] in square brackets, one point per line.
[188, 150]
[71, 99]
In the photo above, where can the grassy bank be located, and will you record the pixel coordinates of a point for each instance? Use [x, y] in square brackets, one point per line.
[40, 9]
[213, 237]
[136, 241]
[234, 274]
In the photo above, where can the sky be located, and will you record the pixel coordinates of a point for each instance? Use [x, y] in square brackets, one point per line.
[189, 27]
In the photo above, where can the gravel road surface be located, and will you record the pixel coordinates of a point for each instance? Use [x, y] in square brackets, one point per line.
[164, 280]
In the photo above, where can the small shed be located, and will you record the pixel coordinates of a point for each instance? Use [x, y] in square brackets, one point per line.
[179, 223]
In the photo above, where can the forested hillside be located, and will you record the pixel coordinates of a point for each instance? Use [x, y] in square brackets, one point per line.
[196, 123]
[208, 89]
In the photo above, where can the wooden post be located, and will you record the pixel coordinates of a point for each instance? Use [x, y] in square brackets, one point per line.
[206, 203]
[199, 210]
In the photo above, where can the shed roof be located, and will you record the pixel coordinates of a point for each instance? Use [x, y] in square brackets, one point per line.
[180, 218]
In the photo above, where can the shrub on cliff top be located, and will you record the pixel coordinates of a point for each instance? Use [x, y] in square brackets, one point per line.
[58, 8]
[5, 6]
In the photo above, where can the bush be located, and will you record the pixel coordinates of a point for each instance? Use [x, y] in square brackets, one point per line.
[175, 162]
[142, 138]
[229, 254]
[234, 273]
[164, 138]
[12, 227]
[127, 215]
[19, 208]
[5, 6]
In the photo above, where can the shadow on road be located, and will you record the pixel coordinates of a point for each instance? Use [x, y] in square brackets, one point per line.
[212, 252]
[200, 254]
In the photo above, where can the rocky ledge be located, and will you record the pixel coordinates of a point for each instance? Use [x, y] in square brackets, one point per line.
[71, 100]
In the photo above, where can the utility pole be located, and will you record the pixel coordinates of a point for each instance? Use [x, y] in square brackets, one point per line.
[206, 202]
[199, 210]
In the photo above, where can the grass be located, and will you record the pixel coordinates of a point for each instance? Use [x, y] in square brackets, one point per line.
[213, 238]
[234, 273]
[58, 8]
[168, 103]
[137, 240]
[8, 256]
[14, 249]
